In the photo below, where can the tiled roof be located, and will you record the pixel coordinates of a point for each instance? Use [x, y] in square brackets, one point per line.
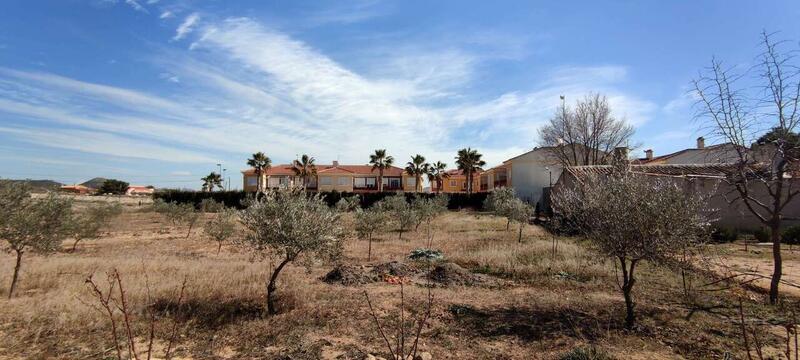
[459, 172]
[287, 169]
[688, 170]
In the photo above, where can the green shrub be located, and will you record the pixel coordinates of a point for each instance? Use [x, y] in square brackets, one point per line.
[211, 206]
[587, 353]
[724, 235]
[792, 235]
[761, 235]
[235, 198]
[426, 254]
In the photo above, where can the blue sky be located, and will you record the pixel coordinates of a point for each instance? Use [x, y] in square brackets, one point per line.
[158, 92]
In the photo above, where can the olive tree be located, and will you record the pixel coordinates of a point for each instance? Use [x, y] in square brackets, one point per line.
[178, 214]
[517, 210]
[427, 209]
[632, 218]
[87, 224]
[500, 202]
[287, 224]
[400, 211]
[368, 222]
[26, 224]
[221, 227]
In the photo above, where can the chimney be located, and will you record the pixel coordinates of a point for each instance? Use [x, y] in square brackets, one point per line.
[648, 154]
[701, 143]
[335, 163]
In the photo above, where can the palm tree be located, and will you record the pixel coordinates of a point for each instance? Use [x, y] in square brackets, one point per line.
[416, 168]
[212, 180]
[469, 161]
[260, 163]
[437, 172]
[305, 168]
[379, 160]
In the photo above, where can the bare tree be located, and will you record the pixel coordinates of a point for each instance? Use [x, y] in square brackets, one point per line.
[586, 134]
[631, 218]
[368, 222]
[288, 223]
[31, 224]
[761, 176]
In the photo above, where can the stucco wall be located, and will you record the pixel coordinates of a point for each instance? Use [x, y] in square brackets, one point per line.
[529, 174]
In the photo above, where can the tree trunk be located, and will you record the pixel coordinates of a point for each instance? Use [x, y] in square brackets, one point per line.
[75, 244]
[272, 285]
[380, 180]
[520, 232]
[219, 247]
[508, 224]
[15, 277]
[777, 259]
[369, 249]
[628, 280]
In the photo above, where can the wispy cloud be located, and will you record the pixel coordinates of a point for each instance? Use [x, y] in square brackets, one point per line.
[166, 14]
[186, 26]
[136, 6]
[254, 88]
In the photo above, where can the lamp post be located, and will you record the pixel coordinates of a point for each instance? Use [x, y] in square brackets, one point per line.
[219, 167]
[224, 183]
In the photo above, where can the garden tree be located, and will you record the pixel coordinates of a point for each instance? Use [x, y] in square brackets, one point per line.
[87, 224]
[631, 218]
[469, 161]
[586, 134]
[260, 163]
[762, 176]
[305, 169]
[427, 209]
[221, 227]
[26, 224]
[417, 167]
[288, 224]
[519, 211]
[211, 181]
[380, 161]
[368, 222]
[178, 213]
[400, 211]
[437, 173]
[113, 186]
[500, 202]
[349, 203]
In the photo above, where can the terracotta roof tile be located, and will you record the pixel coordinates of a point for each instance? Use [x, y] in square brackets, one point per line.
[329, 169]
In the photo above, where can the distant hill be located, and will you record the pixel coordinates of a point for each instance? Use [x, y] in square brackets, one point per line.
[40, 185]
[95, 183]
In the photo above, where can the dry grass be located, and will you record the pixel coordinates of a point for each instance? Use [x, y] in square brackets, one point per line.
[552, 305]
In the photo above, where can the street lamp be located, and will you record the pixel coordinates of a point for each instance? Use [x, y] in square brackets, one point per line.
[223, 178]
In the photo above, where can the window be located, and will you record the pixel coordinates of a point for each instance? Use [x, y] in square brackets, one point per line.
[452, 183]
[325, 180]
[371, 182]
[411, 182]
[391, 183]
[252, 181]
[343, 181]
[284, 180]
[274, 182]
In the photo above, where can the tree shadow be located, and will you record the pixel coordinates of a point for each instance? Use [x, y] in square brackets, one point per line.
[211, 313]
[531, 324]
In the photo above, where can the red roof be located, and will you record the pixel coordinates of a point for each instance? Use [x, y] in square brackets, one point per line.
[458, 172]
[287, 169]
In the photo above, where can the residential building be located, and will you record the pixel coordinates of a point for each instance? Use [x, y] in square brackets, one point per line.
[529, 174]
[135, 190]
[456, 182]
[496, 177]
[77, 189]
[343, 178]
[701, 154]
[704, 179]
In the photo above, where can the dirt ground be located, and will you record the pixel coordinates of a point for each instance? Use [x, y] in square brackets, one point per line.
[757, 260]
[494, 298]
